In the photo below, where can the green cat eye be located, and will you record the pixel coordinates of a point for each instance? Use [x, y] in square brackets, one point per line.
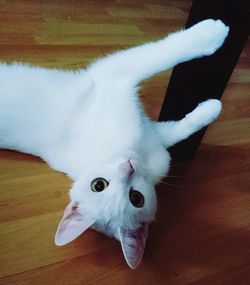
[99, 184]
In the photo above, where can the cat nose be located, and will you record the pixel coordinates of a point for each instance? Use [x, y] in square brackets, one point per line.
[126, 169]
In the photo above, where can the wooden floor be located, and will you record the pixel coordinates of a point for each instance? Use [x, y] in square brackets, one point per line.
[202, 231]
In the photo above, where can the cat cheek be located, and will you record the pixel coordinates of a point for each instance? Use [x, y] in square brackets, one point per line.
[159, 164]
[78, 192]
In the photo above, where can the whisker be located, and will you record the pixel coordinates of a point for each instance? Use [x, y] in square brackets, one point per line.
[175, 176]
[142, 170]
[164, 183]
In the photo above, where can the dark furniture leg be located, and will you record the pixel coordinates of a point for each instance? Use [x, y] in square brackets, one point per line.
[204, 78]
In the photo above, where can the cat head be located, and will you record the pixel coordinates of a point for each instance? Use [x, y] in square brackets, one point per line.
[117, 199]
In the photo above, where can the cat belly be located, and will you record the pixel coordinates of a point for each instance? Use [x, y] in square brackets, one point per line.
[30, 112]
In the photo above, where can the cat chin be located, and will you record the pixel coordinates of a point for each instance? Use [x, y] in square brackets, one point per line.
[159, 164]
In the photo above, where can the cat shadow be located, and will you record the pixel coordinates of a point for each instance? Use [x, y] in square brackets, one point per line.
[186, 232]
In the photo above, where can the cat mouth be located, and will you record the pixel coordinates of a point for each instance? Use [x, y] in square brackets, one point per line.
[131, 168]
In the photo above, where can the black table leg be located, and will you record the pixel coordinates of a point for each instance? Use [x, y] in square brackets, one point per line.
[204, 78]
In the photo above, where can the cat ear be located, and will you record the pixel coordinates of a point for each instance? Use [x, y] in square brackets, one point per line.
[72, 225]
[133, 244]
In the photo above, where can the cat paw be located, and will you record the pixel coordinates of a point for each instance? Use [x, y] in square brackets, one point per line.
[208, 36]
[206, 112]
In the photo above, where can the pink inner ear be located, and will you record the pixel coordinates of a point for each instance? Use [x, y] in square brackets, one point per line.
[72, 225]
[133, 244]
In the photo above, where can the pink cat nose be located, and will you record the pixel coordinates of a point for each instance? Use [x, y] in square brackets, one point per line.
[126, 169]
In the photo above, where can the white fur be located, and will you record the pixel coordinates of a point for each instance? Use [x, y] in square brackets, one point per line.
[88, 123]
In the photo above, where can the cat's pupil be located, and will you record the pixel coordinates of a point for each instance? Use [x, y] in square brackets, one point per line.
[99, 184]
[136, 198]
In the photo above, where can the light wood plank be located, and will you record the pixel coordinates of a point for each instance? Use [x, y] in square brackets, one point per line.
[202, 231]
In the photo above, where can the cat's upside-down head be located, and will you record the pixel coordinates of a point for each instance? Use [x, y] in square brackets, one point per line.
[117, 198]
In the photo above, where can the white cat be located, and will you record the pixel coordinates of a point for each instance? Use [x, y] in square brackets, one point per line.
[91, 126]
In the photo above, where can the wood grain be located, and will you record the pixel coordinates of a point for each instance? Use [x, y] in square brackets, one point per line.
[202, 231]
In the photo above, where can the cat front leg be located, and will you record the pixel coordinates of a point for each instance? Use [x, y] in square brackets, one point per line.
[141, 62]
[173, 132]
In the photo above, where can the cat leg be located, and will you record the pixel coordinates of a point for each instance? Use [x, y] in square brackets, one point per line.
[141, 62]
[173, 132]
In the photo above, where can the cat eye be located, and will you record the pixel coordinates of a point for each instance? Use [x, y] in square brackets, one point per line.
[99, 184]
[136, 198]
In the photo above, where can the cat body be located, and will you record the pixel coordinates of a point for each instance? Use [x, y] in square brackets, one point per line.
[90, 125]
